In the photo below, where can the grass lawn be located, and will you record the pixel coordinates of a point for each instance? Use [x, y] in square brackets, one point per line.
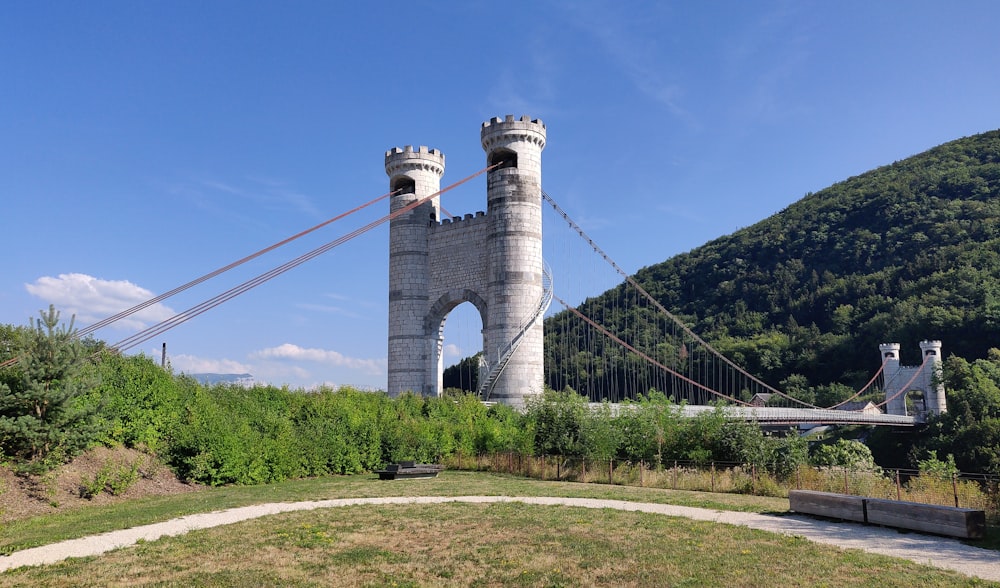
[452, 544]
[98, 519]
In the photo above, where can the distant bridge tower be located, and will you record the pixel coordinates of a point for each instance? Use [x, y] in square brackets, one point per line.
[926, 379]
[491, 259]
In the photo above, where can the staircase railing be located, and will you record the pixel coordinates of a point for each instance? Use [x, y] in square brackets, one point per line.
[490, 373]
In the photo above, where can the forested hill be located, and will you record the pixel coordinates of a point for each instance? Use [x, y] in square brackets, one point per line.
[905, 252]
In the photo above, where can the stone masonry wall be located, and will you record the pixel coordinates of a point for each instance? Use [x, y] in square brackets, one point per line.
[491, 259]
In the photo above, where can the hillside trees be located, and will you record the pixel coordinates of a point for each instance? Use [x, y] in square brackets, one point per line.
[905, 252]
[463, 376]
[970, 430]
[42, 415]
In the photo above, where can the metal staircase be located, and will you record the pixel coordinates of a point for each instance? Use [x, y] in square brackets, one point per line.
[490, 373]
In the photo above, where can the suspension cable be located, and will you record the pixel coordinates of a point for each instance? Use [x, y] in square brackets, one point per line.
[863, 388]
[195, 282]
[906, 386]
[649, 359]
[198, 309]
[146, 304]
[661, 308]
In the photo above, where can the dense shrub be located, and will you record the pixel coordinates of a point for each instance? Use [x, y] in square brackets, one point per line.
[227, 434]
[653, 431]
[141, 403]
[339, 432]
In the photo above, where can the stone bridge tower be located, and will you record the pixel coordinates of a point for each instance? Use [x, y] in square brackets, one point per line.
[491, 259]
[925, 378]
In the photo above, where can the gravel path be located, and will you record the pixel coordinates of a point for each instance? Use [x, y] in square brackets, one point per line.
[924, 549]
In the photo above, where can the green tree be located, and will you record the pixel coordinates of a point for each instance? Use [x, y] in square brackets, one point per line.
[599, 435]
[557, 419]
[941, 469]
[844, 453]
[42, 418]
[464, 375]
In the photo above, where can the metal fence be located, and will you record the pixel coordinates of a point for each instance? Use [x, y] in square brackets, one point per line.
[967, 490]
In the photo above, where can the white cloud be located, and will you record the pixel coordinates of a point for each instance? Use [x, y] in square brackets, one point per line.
[322, 356]
[281, 373]
[92, 299]
[451, 350]
[190, 364]
[330, 309]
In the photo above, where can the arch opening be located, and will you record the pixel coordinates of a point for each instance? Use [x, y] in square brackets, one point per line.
[916, 402]
[461, 350]
[456, 331]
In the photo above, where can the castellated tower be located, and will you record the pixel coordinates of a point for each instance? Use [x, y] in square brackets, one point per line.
[492, 260]
[416, 175]
[926, 379]
[514, 204]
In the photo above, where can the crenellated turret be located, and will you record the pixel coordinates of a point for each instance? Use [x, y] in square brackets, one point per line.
[900, 380]
[492, 260]
[413, 176]
[514, 201]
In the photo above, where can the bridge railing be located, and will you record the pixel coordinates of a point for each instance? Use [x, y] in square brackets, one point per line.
[968, 490]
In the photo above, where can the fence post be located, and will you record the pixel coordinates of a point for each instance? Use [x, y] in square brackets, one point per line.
[611, 472]
[713, 476]
[898, 487]
[753, 477]
[675, 474]
[847, 482]
[558, 468]
[798, 479]
[642, 474]
[954, 487]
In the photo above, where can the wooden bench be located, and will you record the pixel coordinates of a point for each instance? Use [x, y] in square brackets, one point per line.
[828, 504]
[408, 469]
[967, 523]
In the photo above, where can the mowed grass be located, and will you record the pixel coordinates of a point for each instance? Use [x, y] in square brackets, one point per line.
[453, 544]
[85, 521]
[507, 544]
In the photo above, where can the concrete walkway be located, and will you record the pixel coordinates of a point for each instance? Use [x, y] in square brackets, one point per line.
[923, 549]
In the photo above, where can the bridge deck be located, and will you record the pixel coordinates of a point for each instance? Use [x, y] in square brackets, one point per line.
[819, 416]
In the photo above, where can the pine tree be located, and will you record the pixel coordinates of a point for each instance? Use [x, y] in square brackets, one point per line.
[42, 418]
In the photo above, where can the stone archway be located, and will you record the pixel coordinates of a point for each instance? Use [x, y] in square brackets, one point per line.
[491, 259]
[435, 321]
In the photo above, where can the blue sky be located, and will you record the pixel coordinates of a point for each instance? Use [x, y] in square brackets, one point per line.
[143, 144]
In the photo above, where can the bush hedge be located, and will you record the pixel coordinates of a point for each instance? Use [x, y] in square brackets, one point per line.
[229, 434]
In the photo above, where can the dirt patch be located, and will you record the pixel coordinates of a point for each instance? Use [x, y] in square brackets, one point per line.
[135, 474]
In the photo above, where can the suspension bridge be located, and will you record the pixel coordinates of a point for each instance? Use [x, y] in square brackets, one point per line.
[616, 344]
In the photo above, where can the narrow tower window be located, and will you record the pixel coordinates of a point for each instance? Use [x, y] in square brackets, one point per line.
[504, 157]
[404, 185]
